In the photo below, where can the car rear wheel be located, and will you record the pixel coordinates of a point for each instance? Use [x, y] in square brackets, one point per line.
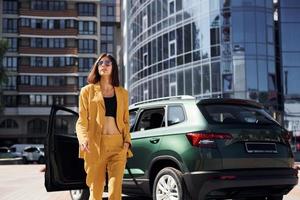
[169, 184]
[80, 194]
[41, 160]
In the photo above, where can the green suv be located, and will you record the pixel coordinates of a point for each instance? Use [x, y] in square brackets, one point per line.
[185, 148]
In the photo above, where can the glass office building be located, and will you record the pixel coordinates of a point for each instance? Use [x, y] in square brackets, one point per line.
[289, 18]
[204, 48]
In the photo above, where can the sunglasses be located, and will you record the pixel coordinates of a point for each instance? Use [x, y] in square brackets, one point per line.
[105, 62]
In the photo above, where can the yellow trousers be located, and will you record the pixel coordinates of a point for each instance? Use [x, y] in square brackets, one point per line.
[113, 159]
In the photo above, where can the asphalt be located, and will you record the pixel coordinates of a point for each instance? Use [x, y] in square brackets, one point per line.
[26, 182]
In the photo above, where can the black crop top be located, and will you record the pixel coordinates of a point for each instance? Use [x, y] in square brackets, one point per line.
[110, 106]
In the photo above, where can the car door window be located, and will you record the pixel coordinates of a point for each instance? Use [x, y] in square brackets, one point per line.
[151, 119]
[132, 118]
[175, 115]
[64, 123]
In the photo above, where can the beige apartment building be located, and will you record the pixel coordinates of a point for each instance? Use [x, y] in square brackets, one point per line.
[52, 46]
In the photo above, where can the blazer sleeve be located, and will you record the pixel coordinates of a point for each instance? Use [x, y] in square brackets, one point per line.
[127, 137]
[82, 122]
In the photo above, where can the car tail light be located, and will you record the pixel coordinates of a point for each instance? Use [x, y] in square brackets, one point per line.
[199, 139]
[227, 177]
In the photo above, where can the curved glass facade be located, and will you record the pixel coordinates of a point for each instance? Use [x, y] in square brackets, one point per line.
[204, 48]
[289, 18]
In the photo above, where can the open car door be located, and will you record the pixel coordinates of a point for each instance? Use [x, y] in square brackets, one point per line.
[64, 170]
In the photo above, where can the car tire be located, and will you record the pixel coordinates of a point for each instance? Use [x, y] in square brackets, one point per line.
[170, 179]
[25, 161]
[80, 194]
[41, 160]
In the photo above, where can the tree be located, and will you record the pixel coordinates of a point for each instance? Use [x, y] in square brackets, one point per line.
[3, 77]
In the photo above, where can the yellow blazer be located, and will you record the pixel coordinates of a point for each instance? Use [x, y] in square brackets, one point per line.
[91, 117]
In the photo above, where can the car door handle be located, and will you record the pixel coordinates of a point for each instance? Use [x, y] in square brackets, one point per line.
[154, 140]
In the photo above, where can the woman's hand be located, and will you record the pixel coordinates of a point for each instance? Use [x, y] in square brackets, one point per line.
[126, 145]
[85, 147]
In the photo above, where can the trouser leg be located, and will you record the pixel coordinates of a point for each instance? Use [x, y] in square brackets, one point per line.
[96, 180]
[116, 166]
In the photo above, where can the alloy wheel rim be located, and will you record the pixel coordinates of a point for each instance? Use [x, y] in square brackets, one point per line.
[76, 194]
[167, 188]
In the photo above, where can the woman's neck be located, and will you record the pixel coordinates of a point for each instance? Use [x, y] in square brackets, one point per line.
[105, 83]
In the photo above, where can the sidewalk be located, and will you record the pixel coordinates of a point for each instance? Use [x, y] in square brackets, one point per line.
[26, 182]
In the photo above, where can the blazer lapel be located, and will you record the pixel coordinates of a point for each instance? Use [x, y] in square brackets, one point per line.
[98, 97]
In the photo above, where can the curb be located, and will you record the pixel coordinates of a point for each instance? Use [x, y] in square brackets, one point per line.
[11, 161]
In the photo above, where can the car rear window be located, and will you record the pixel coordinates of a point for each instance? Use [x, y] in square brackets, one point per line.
[233, 114]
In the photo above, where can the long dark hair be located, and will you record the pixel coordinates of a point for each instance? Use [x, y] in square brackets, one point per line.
[94, 76]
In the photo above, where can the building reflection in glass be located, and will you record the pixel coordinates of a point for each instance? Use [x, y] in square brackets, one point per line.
[204, 48]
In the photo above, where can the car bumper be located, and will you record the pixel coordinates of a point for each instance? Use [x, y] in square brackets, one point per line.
[240, 183]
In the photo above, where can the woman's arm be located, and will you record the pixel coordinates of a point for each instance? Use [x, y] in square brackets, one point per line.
[82, 122]
[127, 137]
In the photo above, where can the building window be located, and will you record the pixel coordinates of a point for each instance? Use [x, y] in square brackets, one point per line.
[57, 5]
[47, 42]
[145, 23]
[173, 89]
[48, 5]
[171, 7]
[39, 5]
[145, 59]
[10, 7]
[38, 80]
[10, 100]
[85, 64]
[86, 9]
[11, 83]
[107, 33]
[87, 46]
[10, 63]
[37, 126]
[110, 11]
[87, 28]
[58, 100]
[24, 80]
[25, 22]
[9, 123]
[10, 25]
[107, 11]
[82, 81]
[172, 48]
[23, 100]
[146, 94]
[107, 47]
[37, 100]
[56, 81]
[61, 126]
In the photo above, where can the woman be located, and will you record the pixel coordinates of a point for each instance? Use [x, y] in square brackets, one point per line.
[103, 128]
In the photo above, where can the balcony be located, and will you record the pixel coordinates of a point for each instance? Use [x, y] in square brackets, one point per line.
[47, 13]
[28, 69]
[61, 88]
[50, 32]
[30, 50]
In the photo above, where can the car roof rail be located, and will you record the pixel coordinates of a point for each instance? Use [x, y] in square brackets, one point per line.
[164, 98]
